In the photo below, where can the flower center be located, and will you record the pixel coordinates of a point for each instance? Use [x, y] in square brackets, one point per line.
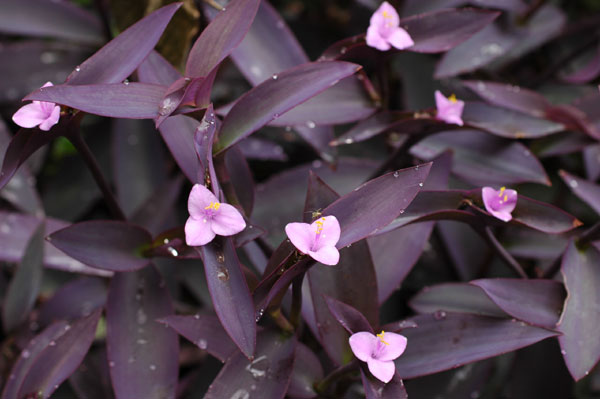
[452, 99]
[319, 224]
[381, 337]
[387, 15]
[214, 205]
[501, 194]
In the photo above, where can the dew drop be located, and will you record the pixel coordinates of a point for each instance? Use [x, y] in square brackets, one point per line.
[348, 141]
[126, 82]
[311, 124]
[280, 24]
[222, 274]
[396, 174]
[420, 184]
[573, 184]
[142, 341]
[152, 367]
[48, 57]
[77, 68]
[141, 316]
[220, 257]
[439, 315]
[197, 316]
[25, 354]
[563, 352]
[274, 77]
[240, 394]
[111, 364]
[166, 241]
[173, 251]
[259, 314]
[343, 50]
[202, 344]
[52, 343]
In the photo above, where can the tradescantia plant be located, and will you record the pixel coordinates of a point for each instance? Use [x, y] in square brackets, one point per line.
[203, 210]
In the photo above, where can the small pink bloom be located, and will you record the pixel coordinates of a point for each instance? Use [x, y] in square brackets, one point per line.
[378, 351]
[499, 203]
[209, 217]
[39, 113]
[317, 239]
[385, 31]
[449, 109]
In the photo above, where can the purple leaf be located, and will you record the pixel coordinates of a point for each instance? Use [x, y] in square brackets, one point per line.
[306, 372]
[25, 284]
[275, 96]
[92, 379]
[267, 374]
[29, 355]
[114, 62]
[366, 209]
[61, 20]
[591, 158]
[318, 137]
[117, 100]
[411, 7]
[352, 280]
[261, 149]
[178, 133]
[60, 358]
[370, 127]
[230, 294]
[510, 97]
[375, 389]
[108, 245]
[204, 331]
[15, 230]
[204, 137]
[466, 249]
[538, 302]
[482, 159]
[584, 73]
[586, 191]
[157, 210]
[579, 321]
[446, 341]
[156, 69]
[507, 123]
[241, 178]
[455, 297]
[220, 37]
[142, 353]
[351, 319]
[443, 30]
[75, 299]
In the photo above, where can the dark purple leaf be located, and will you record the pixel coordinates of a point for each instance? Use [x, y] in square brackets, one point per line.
[272, 98]
[466, 249]
[591, 158]
[371, 126]
[530, 244]
[511, 97]
[178, 133]
[25, 284]
[411, 7]
[442, 30]
[538, 302]
[351, 319]
[375, 389]
[366, 209]
[583, 72]
[289, 187]
[156, 69]
[268, 374]
[586, 191]
[204, 138]
[60, 358]
[241, 178]
[114, 62]
[230, 294]
[445, 341]
[560, 144]
[142, 352]
[482, 159]
[306, 372]
[220, 37]
[117, 100]
[156, 211]
[455, 297]
[28, 356]
[77, 298]
[507, 123]
[108, 245]
[318, 137]
[204, 331]
[61, 20]
[15, 230]
[261, 149]
[579, 321]
[92, 379]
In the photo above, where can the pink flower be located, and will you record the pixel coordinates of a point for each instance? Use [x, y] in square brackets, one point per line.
[449, 109]
[385, 31]
[378, 351]
[317, 239]
[42, 113]
[209, 217]
[499, 203]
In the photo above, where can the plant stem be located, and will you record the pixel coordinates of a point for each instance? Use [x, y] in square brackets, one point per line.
[336, 374]
[593, 234]
[502, 252]
[296, 301]
[75, 138]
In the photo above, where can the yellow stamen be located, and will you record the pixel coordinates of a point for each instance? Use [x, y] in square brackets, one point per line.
[381, 335]
[320, 225]
[214, 205]
[501, 191]
[452, 98]
[505, 197]
[386, 15]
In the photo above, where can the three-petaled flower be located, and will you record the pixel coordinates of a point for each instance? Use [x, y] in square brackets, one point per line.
[500, 203]
[449, 109]
[384, 30]
[317, 239]
[378, 351]
[209, 217]
[39, 113]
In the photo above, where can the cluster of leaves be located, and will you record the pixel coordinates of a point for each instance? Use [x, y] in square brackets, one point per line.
[104, 282]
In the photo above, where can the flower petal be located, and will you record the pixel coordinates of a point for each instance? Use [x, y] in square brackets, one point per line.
[441, 102]
[327, 255]
[362, 344]
[302, 235]
[375, 40]
[198, 232]
[490, 198]
[29, 115]
[389, 15]
[228, 221]
[395, 347]
[51, 120]
[383, 371]
[200, 198]
[400, 39]
[330, 231]
[511, 200]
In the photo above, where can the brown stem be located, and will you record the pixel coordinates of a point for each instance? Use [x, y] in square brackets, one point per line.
[502, 252]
